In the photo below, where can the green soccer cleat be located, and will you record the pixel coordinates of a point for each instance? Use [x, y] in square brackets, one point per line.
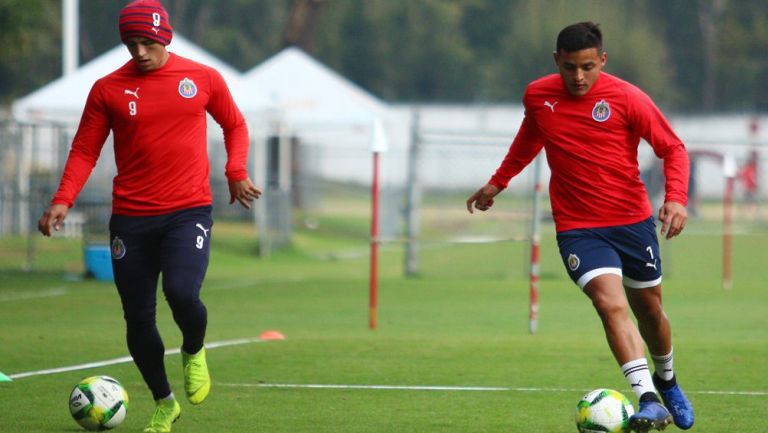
[166, 413]
[197, 381]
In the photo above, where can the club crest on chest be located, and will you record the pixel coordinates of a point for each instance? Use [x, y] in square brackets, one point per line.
[601, 112]
[187, 88]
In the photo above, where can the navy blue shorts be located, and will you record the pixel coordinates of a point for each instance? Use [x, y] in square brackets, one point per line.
[630, 251]
[176, 245]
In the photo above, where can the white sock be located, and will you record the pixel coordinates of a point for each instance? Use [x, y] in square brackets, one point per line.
[663, 365]
[639, 376]
[169, 397]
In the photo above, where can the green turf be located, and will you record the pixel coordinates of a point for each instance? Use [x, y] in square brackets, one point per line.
[462, 322]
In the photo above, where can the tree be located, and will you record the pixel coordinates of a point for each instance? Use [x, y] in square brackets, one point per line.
[400, 49]
[741, 61]
[635, 52]
[703, 55]
[710, 15]
[31, 45]
[300, 30]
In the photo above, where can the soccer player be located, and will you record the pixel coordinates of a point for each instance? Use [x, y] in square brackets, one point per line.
[590, 123]
[155, 105]
[748, 177]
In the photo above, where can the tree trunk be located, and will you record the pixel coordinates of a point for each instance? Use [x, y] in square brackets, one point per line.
[710, 15]
[300, 30]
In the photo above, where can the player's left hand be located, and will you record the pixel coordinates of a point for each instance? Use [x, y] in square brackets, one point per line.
[243, 191]
[482, 199]
[673, 217]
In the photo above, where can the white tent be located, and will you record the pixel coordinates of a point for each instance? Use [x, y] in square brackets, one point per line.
[63, 99]
[303, 93]
[337, 123]
[308, 100]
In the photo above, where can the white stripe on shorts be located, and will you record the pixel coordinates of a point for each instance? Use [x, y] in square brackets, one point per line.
[634, 284]
[588, 276]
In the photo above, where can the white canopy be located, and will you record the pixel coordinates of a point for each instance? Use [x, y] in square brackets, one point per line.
[303, 92]
[63, 100]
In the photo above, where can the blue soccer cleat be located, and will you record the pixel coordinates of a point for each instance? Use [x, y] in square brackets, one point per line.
[650, 415]
[677, 403]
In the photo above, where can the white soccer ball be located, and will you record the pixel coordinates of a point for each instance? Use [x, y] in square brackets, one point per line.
[98, 403]
[603, 410]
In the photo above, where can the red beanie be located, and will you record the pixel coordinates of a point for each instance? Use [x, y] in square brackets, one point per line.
[147, 19]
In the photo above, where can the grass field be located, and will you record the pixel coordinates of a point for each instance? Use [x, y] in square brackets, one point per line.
[462, 323]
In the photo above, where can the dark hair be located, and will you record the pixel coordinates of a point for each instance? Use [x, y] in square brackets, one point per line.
[580, 36]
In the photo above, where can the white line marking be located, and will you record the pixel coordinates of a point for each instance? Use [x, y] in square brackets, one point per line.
[124, 359]
[453, 388]
[57, 291]
[380, 387]
[758, 393]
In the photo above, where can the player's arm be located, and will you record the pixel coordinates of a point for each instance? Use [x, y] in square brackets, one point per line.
[86, 146]
[673, 214]
[651, 124]
[526, 145]
[226, 113]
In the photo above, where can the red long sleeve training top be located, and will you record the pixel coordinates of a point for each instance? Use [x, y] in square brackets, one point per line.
[591, 145]
[159, 124]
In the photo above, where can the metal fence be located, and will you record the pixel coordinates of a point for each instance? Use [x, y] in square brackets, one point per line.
[322, 180]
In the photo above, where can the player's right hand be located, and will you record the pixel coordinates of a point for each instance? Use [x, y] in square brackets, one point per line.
[243, 191]
[482, 199]
[52, 218]
[673, 217]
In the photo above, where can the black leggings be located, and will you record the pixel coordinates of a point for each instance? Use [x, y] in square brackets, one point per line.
[176, 245]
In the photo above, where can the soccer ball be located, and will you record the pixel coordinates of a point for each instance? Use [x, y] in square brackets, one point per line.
[98, 403]
[603, 410]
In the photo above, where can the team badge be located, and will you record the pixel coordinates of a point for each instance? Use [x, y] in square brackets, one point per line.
[118, 248]
[601, 112]
[187, 88]
[573, 262]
